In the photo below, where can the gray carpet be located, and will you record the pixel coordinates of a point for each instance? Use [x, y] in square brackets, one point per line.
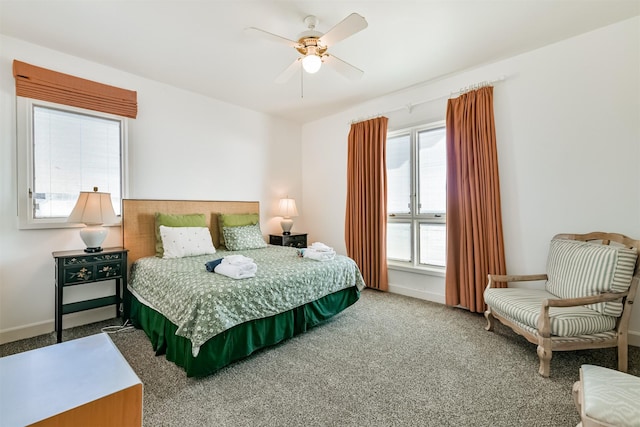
[388, 360]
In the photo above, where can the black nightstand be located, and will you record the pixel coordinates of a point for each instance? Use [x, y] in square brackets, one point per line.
[295, 240]
[80, 268]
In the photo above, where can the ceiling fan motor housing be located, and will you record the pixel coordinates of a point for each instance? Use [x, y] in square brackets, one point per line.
[310, 45]
[309, 40]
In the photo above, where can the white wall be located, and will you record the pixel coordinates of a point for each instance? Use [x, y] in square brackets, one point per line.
[181, 146]
[568, 129]
[568, 132]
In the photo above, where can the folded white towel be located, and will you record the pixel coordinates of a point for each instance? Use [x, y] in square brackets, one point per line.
[237, 272]
[321, 247]
[250, 268]
[317, 255]
[237, 260]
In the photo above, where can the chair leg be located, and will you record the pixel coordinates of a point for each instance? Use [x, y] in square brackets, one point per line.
[490, 320]
[544, 354]
[623, 353]
[575, 392]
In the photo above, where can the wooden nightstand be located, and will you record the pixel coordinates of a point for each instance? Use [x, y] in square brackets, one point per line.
[75, 268]
[295, 240]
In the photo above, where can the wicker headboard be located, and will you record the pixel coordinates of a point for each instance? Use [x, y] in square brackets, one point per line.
[138, 220]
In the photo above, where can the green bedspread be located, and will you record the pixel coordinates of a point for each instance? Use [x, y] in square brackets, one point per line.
[203, 304]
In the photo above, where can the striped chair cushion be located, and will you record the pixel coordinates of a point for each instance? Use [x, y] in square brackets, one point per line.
[610, 396]
[578, 269]
[591, 338]
[523, 306]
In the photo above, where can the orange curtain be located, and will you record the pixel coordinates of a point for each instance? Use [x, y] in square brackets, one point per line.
[47, 85]
[475, 245]
[366, 216]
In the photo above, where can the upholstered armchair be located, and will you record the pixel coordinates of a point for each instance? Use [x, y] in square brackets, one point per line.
[586, 302]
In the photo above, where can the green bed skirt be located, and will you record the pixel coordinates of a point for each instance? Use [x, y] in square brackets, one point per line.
[239, 341]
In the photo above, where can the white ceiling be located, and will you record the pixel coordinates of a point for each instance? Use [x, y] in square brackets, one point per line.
[201, 46]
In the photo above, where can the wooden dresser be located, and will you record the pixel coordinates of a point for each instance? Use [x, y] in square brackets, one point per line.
[82, 382]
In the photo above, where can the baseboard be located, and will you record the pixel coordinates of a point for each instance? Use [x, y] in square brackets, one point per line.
[410, 292]
[634, 338]
[28, 331]
[48, 326]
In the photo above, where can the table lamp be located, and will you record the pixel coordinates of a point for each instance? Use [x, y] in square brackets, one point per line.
[287, 210]
[93, 209]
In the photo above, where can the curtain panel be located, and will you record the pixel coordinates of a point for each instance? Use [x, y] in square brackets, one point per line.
[47, 85]
[475, 245]
[366, 214]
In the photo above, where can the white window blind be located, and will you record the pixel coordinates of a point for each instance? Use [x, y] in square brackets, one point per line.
[64, 150]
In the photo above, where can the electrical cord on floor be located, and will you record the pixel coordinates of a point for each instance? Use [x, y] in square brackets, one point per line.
[115, 329]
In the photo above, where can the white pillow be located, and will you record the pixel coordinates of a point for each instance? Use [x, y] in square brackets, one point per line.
[179, 242]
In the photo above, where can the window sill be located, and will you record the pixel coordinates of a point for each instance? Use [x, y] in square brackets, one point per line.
[42, 225]
[430, 271]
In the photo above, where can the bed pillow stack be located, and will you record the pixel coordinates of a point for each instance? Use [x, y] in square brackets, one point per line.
[174, 220]
[235, 220]
[243, 237]
[179, 242]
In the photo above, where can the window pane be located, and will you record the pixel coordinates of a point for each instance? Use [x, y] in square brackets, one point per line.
[432, 149]
[399, 241]
[433, 244]
[399, 174]
[73, 152]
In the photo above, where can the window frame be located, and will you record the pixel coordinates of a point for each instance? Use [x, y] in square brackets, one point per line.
[25, 160]
[414, 218]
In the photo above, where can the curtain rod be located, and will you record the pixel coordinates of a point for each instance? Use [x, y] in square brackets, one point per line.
[409, 107]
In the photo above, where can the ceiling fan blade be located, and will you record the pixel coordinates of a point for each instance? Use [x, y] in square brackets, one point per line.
[345, 28]
[286, 75]
[270, 36]
[344, 68]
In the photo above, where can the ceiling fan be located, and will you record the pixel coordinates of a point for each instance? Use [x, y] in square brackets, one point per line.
[313, 46]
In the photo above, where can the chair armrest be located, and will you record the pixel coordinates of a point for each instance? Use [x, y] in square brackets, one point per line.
[544, 322]
[493, 278]
[593, 299]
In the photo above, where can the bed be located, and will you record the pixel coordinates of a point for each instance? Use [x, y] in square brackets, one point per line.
[204, 321]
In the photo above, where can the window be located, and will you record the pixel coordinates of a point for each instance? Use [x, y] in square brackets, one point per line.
[416, 197]
[63, 150]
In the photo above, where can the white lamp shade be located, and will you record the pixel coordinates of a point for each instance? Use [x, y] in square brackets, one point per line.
[93, 208]
[287, 208]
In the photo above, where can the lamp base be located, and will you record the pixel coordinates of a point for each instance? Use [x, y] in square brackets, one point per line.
[286, 225]
[93, 250]
[93, 236]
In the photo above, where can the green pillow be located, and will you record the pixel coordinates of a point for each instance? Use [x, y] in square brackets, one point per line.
[244, 237]
[235, 220]
[173, 220]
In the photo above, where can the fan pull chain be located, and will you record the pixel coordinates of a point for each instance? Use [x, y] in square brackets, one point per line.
[301, 83]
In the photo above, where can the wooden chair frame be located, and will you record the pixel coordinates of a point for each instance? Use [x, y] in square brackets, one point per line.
[547, 343]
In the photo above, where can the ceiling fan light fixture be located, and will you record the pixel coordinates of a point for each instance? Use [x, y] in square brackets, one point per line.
[311, 63]
[312, 47]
